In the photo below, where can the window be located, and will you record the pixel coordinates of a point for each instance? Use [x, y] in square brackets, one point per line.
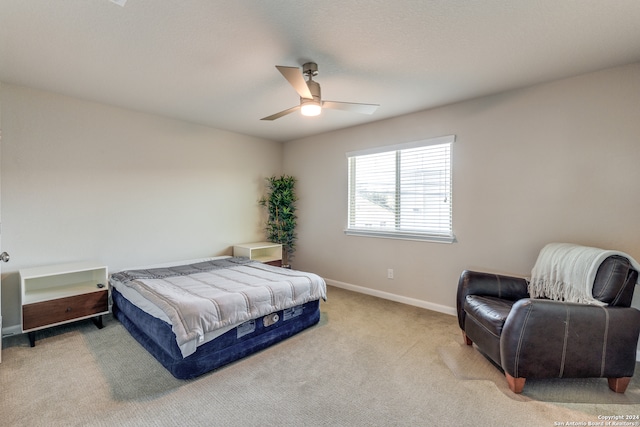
[402, 191]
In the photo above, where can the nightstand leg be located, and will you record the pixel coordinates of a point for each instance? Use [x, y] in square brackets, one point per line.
[98, 322]
[32, 338]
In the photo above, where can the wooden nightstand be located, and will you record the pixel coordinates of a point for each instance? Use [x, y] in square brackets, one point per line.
[58, 294]
[265, 252]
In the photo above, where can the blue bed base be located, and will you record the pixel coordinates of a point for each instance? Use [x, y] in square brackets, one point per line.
[157, 338]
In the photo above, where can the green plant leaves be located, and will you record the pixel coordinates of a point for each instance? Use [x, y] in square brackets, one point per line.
[282, 220]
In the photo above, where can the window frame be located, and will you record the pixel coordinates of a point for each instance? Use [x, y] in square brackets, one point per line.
[430, 236]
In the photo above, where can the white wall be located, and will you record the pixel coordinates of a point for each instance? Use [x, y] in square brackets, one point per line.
[87, 181]
[554, 162]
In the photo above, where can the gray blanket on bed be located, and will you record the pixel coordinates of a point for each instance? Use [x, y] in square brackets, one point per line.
[204, 297]
[179, 270]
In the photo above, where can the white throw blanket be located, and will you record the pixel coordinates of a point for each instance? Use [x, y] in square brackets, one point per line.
[566, 272]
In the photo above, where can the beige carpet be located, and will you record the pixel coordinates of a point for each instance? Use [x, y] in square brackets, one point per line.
[467, 363]
[369, 362]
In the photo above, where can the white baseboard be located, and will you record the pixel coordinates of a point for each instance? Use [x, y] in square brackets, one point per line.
[393, 297]
[11, 330]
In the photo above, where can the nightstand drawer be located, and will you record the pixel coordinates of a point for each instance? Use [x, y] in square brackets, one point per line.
[64, 309]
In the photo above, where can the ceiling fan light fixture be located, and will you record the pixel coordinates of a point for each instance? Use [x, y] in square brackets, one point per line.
[310, 107]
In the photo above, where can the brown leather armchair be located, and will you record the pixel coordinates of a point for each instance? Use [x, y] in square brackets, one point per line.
[541, 338]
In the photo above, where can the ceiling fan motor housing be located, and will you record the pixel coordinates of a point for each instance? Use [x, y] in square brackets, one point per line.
[314, 88]
[310, 69]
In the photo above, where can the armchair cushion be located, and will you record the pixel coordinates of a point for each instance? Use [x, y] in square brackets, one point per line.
[488, 312]
[484, 322]
[487, 284]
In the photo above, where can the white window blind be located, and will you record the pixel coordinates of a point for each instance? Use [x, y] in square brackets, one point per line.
[402, 191]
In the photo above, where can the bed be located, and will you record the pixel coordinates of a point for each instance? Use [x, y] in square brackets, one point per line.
[194, 317]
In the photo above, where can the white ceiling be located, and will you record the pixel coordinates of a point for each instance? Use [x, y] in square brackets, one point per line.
[212, 61]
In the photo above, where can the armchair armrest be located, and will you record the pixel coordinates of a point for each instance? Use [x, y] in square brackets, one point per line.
[487, 284]
[555, 339]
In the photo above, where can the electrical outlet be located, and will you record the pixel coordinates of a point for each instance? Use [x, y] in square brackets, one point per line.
[389, 273]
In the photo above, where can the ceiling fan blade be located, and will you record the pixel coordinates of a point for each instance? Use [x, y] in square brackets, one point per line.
[350, 106]
[296, 79]
[281, 113]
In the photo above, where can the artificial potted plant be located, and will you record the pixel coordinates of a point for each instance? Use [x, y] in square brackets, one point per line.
[280, 202]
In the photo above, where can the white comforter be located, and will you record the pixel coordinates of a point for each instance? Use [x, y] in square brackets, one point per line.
[201, 303]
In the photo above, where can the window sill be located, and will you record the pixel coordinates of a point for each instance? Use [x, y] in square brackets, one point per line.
[402, 236]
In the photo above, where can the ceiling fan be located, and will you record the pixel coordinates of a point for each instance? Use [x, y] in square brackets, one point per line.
[311, 103]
